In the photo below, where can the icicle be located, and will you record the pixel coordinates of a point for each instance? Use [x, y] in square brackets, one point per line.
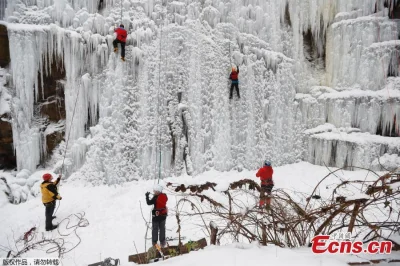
[349, 52]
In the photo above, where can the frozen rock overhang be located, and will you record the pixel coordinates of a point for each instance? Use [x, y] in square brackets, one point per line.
[344, 148]
[376, 112]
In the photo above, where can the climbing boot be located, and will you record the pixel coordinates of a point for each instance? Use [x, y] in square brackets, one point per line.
[123, 59]
[52, 228]
[115, 49]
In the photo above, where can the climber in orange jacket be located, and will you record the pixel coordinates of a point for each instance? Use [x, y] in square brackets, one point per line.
[121, 38]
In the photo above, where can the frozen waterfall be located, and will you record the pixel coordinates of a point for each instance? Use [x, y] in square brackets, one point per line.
[318, 82]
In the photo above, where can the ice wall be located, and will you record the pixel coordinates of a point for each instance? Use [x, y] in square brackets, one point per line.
[172, 92]
[27, 47]
[3, 5]
[182, 106]
[31, 48]
[351, 57]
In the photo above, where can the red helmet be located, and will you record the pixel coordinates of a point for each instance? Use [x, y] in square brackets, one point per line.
[47, 177]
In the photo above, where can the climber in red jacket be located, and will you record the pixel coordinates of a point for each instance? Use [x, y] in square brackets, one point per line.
[234, 77]
[121, 38]
[159, 212]
[265, 174]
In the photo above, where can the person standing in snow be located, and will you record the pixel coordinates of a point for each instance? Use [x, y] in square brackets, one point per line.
[265, 174]
[234, 77]
[49, 197]
[160, 212]
[121, 38]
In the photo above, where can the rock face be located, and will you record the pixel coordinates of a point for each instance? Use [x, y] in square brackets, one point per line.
[50, 106]
[51, 97]
[52, 140]
[4, 49]
[7, 157]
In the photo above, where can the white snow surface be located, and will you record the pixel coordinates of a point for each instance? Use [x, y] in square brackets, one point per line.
[115, 219]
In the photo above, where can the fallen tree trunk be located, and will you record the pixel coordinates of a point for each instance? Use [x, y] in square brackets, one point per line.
[172, 251]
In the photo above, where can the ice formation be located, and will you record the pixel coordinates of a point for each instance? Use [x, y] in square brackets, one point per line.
[5, 96]
[302, 64]
[32, 48]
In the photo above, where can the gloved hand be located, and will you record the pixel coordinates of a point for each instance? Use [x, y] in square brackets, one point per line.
[147, 194]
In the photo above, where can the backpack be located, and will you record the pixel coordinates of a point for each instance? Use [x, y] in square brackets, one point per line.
[160, 208]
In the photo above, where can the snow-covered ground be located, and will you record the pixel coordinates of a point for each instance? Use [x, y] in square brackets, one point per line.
[115, 220]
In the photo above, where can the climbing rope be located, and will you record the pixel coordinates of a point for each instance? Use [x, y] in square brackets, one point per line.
[79, 222]
[59, 245]
[66, 145]
[158, 109]
[121, 11]
[230, 56]
[70, 127]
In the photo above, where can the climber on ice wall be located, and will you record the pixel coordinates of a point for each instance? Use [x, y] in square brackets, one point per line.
[265, 174]
[235, 81]
[121, 38]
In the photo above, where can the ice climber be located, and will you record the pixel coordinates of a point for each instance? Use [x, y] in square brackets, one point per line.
[49, 197]
[265, 174]
[159, 213]
[121, 38]
[234, 77]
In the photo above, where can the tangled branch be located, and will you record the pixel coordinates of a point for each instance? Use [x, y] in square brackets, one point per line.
[368, 209]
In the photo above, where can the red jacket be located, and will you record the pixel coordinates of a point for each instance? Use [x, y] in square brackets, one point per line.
[265, 174]
[121, 34]
[234, 75]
